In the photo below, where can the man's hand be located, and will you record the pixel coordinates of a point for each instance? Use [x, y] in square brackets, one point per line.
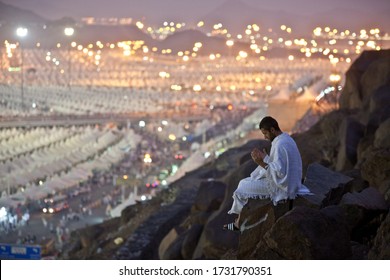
[258, 157]
[262, 153]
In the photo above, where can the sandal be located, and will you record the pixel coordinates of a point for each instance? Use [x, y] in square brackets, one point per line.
[231, 227]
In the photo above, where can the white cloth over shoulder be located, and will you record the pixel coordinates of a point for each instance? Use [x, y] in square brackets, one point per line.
[279, 181]
[285, 167]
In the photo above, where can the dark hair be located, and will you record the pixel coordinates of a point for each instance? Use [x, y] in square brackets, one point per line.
[268, 122]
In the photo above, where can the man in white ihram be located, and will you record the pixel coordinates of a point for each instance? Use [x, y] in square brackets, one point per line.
[278, 176]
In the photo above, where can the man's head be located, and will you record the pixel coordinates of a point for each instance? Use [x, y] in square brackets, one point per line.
[270, 128]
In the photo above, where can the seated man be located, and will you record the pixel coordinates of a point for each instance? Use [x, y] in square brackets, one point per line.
[278, 175]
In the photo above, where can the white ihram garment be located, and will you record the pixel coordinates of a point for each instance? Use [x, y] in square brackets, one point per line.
[280, 180]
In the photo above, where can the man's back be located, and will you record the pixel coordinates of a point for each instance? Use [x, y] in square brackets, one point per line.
[290, 176]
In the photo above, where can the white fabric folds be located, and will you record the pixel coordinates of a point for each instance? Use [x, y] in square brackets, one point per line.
[279, 181]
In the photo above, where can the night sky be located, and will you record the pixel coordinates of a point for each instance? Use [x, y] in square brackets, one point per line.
[191, 9]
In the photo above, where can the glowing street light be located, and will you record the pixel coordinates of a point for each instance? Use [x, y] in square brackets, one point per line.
[21, 32]
[147, 158]
[230, 44]
[335, 78]
[243, 54]
[69, 31]
[335, 81]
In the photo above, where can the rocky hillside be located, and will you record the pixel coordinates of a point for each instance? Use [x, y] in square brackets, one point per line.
[346, 157]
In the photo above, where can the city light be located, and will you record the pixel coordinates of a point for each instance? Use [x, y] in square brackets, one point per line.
[21, 32]
[335, 78]
[147, 158]
[229, 43]
[197, 87]
[69, 31]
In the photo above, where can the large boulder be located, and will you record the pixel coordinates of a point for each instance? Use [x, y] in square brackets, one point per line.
[363, 214]
[351, 131]
[170, 246]
[369, 71]
[209, 197]
[323, 145]
[369, 198]
[257, 217]
[381, 248]
[375, 168]
[350, 97]
[330, 128]
[378, 108]
[326, 185]
[382, 135]
[311, 151]
[364, 147]
[214, 242]
[374, 161]
[376, 75]
[384, 188]
[306, 233]
[190, 241]
[358, 183]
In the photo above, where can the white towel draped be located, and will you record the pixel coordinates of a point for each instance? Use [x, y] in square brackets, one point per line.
[281, 180]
